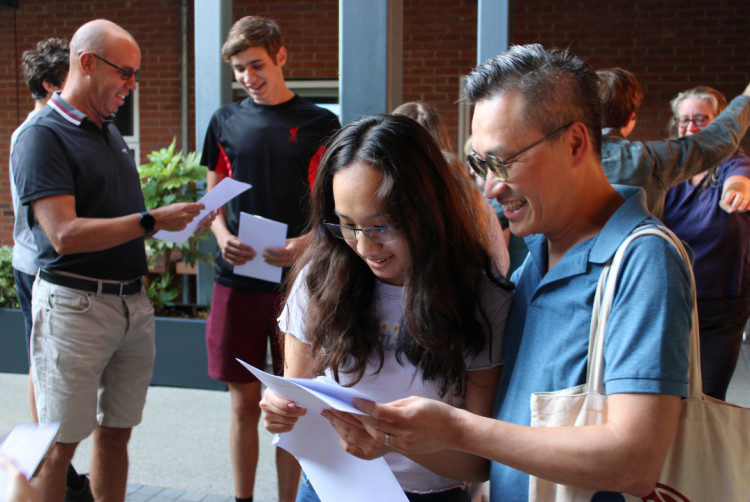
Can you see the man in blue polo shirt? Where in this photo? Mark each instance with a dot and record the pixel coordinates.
(92, 342)
(535, 136)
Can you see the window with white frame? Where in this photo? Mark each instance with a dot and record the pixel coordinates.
(127, 120)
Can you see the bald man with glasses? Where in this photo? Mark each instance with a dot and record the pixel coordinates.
(92, 342)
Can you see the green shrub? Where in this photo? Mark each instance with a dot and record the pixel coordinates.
(171, 177)
(8, 298)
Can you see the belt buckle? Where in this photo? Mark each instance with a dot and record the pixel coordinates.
(122, 286)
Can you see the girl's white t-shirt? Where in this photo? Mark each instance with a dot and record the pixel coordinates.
(398, 380)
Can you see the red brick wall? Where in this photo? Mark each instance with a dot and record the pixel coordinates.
(310, 33)
(156, 26)
(439, 46)
(670, 45)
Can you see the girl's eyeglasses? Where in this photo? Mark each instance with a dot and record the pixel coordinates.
(380, 234)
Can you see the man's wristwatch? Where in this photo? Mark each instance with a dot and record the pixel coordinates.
(147, 222)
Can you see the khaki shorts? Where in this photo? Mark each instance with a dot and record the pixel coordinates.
(92, 358)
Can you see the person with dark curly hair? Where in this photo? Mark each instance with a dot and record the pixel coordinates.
(45, 69)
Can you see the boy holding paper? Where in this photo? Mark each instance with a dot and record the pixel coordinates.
(273, 140)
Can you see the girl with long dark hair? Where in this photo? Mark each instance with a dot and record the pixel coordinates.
(397, 295)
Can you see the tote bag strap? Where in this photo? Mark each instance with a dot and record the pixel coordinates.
(603, 303)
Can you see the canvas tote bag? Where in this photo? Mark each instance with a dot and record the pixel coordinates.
(709, 458)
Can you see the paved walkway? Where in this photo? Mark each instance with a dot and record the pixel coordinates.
(181, 450)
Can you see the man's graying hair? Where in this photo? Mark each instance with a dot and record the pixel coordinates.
(558, 87)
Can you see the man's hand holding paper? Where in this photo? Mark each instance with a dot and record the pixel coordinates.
(256, 233)
(222, 193)
(286, 256)
(354, 438)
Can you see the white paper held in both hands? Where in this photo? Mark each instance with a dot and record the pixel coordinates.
(260, 233)
(335, 475)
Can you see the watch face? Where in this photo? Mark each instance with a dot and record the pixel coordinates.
(147, 222)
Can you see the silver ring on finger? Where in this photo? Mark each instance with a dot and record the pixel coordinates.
(387, 439)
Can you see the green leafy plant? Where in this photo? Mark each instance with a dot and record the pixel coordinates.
(161, 292)
(171, 177)
(8, 298)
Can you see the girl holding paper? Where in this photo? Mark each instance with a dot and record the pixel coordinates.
(397, 295)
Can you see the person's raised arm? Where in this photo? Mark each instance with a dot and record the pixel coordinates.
(680, 159)
(68, 233)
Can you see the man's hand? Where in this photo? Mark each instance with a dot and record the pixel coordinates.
(735, 196)
(354, 437)
(413, 424)
(286, 256)
(175, 217)
(233, 251)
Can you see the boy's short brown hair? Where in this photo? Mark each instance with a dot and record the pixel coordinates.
(253, 31)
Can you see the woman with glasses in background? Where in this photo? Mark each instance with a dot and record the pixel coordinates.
(396, 296)
(709, 212)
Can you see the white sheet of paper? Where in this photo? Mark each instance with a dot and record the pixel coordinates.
(335, 475)
(27, 445)
(260, 233)
(224, 191)
(318, 394)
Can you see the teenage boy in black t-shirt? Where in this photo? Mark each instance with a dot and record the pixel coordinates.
(273, 140)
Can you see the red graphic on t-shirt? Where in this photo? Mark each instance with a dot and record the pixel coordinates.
(664, 493)
(293, 134)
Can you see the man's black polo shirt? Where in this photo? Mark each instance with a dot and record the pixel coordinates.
(63, 153)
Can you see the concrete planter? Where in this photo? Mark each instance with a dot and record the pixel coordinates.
(180, 351)
(13, 357)
(181, 354)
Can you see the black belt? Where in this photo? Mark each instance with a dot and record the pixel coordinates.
(110, 288)
(458, 494)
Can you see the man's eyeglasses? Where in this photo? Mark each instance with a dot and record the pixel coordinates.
(381, 235)
(125, 73)
(499, 167)
(698, 120)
